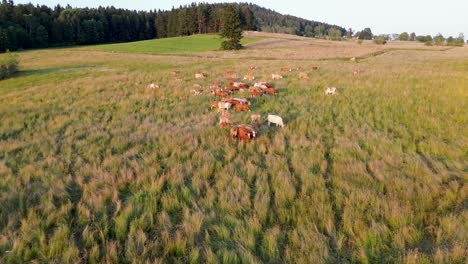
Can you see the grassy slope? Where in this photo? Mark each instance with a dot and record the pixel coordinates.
(91, 169)
(194, 43)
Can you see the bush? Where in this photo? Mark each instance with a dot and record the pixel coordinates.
(380, 40)
(8, 65)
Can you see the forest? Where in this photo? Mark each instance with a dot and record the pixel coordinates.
(25, 26)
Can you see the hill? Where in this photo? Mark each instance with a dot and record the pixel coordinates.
(25, 26)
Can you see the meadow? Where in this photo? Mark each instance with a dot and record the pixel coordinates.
(93, 171)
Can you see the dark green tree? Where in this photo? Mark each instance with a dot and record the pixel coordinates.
(366, 34)
(404, 36)
(231, 29)
(42, 37)
(413, 36)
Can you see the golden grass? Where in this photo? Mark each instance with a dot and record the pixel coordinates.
(92, 171)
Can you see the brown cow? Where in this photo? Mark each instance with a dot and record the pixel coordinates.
(241, 107)
(220, 93)
(232, 88)
(214, 104)
(243, 132)
(314, 68)
(235, 101)
(286, 69)
(230, 74)
(270, 90)
(252, 68)
(253, 94)
(175, 73)
(240, 85)
(303, 75)
(197, 85)
(356, 72)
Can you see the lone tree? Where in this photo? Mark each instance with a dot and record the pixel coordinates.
(231, 30)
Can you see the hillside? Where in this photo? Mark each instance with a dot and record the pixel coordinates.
(25, 26)
(97, 168)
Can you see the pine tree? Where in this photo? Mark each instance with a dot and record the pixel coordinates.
(231, 30)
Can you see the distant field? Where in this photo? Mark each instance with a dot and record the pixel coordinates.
(94, 169)
(194, 43)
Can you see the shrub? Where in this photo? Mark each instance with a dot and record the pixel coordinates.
(8, 65)
(380, 40)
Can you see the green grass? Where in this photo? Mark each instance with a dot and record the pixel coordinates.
(194, 43)
(95, 168)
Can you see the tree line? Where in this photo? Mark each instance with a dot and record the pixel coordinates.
(26, 26)
(439, 39)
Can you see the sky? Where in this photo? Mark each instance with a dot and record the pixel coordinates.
(424, 17)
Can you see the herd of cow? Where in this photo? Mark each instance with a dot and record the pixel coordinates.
(244, 132)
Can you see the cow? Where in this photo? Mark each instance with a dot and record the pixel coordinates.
(195, 92)
(197, 85)
(263, 85)
(232, 88)
(249, 77)
(213, 104)
(214, 86)
(220, 93)
(314, 68)
(252, 68)
(230, 74)
(243, 132)
(230, 80)
(241, 101)
(152, 86)
(240, 85)
(275, 120)
(303, 75)
(256, 118)
(235, 101)
(286, 69)
(242, 107)
(224, 122)
(270, 90)
(253, 94)
(200, 75)
(175, 73)
(356, 72)
(224, 106)
(276, 76)
(331, 91)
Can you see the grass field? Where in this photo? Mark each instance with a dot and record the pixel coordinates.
(195, 43)
(93, 171)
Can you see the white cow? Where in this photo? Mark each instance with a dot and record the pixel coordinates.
(275, 120)
(331, 91)
(153, 86)
(262, 85)
(276, 76)
(224, 105)
(200, 75)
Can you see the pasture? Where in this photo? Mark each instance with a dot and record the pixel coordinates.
(92, 170)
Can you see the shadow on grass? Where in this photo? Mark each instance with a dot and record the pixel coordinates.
(27, 73)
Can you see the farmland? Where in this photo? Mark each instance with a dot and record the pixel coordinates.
(91, 170)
